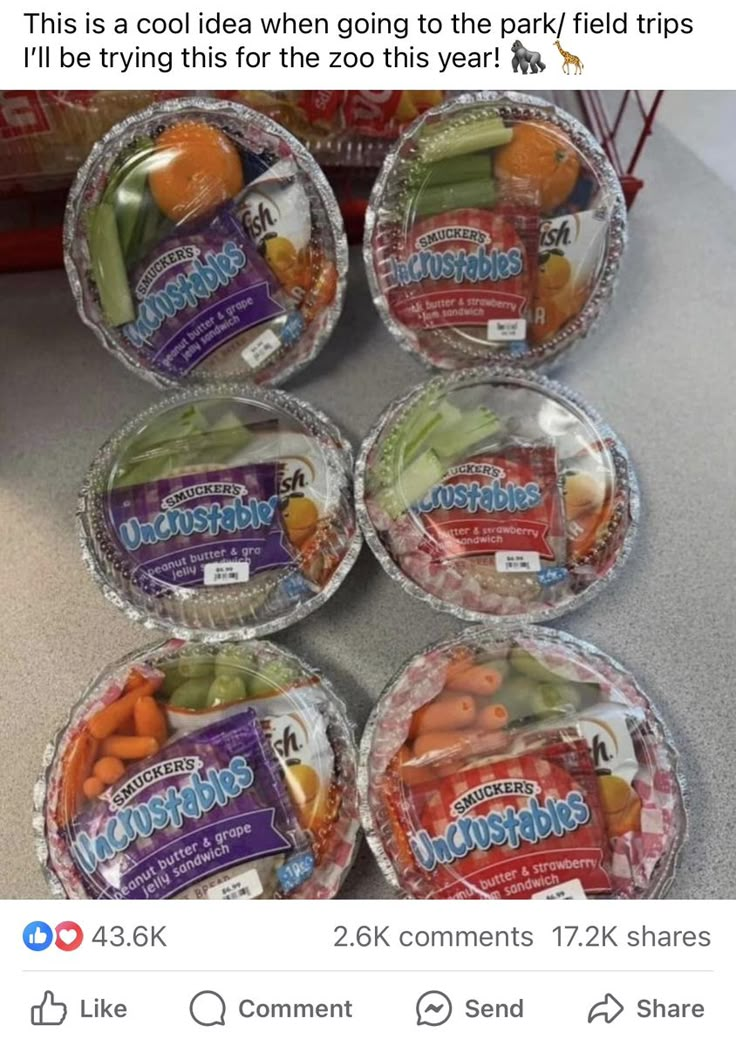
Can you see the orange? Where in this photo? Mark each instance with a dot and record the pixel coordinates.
(542, 157)
(198, 169)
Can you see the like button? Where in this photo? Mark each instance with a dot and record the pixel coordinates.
(49, 1011)
(38, 936)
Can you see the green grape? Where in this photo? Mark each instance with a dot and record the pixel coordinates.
(225, 690)
(274, 675)
(196, 667)
(191, 694)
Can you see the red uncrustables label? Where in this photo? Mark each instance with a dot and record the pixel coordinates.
(513, 827)
(462, 268)
(508, 501)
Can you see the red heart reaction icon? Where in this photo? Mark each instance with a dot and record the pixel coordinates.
(68, 936)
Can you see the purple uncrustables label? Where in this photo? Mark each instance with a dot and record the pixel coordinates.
(198, 289)
(207, 802)
(177, 531)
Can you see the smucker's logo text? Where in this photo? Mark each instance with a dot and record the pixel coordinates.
(161, 265)
(168, 768)
(492, 790)
(204, 490)
(452, 233)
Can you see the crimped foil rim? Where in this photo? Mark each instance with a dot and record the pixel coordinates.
(40, 789)
(514, 105)
(270, 397)
(489, 373)
(235, 111)
(670, 862)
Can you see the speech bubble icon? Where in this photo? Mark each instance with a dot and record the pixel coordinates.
(434, 1009)
(207, 1008)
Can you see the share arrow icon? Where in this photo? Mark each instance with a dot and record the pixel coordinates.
(609, 1009)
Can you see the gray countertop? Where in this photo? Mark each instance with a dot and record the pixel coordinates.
(661, 369)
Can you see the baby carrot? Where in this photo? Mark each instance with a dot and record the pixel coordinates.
(93, 787)
(450, 695)
(108, 720)
(109, 769)
(493, 717)
(129, 747)
(456, 667)
(440, 741)
(412, 775)
(480, 680)
(449, 714)
(150, 721)
(134, 680)
(77, 767)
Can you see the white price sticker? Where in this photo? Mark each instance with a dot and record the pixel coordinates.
(240, 888)
(517, 562)
(506, 330)
(570, 891)
(226, 573)
(261, 349)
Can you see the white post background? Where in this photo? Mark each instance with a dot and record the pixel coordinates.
(700, 59)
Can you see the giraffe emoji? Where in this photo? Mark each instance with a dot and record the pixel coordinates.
(570, 59)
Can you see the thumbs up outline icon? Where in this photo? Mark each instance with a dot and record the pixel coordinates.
(48, 1011)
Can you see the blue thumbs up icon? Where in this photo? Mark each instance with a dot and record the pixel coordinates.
(38, 936)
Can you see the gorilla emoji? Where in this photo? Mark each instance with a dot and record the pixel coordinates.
(525, 59)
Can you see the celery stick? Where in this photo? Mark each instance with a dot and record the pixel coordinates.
(477, 425)
(420, 428)
(129, 208)
(146, 230)
(415, 480)
(108, 265)
(411, 435)
(126, 190)
(174, 425)
(146, 470)
(440, 198)
(463, 118)
(470, 138)
(473, 167)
